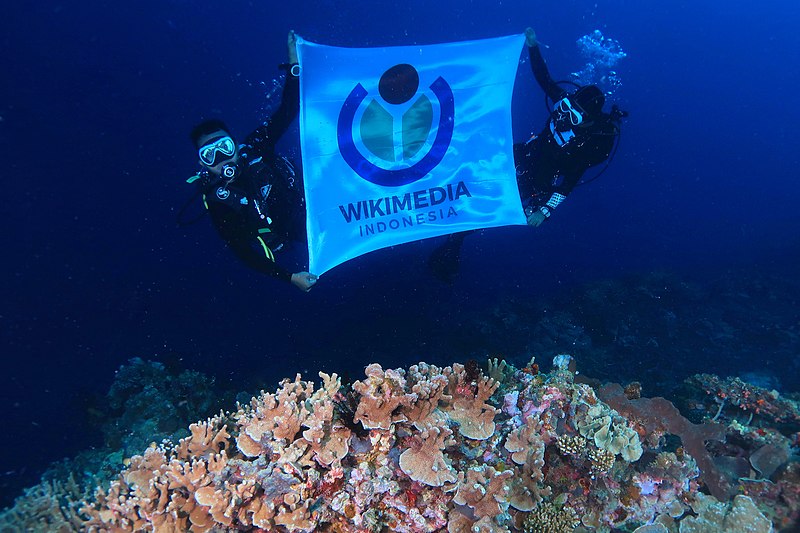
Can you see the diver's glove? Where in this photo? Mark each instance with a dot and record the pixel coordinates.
(292, 67)
(291, 44)
(530, 37)
(303, 280)
(537, 215)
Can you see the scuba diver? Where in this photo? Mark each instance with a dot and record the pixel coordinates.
(253, 195)
(577, 136)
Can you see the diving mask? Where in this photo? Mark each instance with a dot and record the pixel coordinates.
(209, 152)
(565, 108)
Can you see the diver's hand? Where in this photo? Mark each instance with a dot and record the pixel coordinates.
(530, 37)
(303, 280)
(291, 43)
(535, 218)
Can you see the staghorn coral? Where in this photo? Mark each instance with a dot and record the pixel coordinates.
(205, 440)
(425, 412)
(501, 371)
(526, 442)
(571, 444)
(602, 461)
(272, 417)
(48, 507)
(328, 441)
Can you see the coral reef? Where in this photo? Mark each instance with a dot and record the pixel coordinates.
(656, 417)
(738, 397)
(656, 328)
(761, 442)
(49, 507)
(740, 515)
(426, 449)
(147, 401)
(151, 401)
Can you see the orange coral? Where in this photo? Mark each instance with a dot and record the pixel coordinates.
(526, 488)
(485, 491)
(381, 394)
(298, 519)
(276, 464)
(424, 412)
(469, 408)
(526, 441)
(207, 439)
(273, 416)
(425, 462)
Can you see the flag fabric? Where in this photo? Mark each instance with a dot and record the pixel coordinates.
(405, 143)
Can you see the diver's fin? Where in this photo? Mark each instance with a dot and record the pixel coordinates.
(443, 262)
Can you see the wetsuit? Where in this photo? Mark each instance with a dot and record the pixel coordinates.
(260, 211)
(548, 170)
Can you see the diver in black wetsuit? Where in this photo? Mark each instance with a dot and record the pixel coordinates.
(577, 136)
(252, 194)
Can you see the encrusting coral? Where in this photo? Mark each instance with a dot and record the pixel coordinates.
(423, 450)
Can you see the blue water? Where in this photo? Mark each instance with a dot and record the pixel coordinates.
(96, 101)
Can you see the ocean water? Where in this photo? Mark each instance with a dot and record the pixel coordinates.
(682, 258)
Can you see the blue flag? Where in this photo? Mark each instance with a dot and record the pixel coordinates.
(405, 143)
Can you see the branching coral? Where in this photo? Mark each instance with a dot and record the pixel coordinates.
(48, 507)
(273, 417)
(425, 412)
(551, 518)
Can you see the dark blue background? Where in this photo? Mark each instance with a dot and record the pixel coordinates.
(97, 98)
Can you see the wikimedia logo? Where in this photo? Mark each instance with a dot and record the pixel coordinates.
(385, 138)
